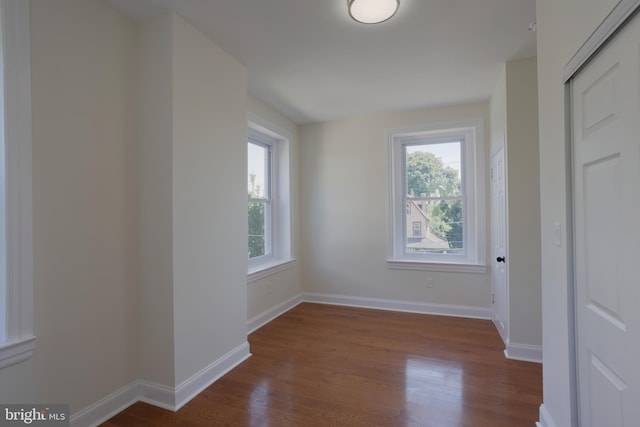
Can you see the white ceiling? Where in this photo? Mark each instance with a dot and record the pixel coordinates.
(310, 61)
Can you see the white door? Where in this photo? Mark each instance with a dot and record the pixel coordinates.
(500, 296)
(606, 155)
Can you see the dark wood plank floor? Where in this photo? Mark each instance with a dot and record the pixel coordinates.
(322, 365)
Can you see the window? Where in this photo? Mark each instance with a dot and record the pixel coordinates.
(16, 255)
(417, 229)
(437, 198)
(269, 206)
(260, 180)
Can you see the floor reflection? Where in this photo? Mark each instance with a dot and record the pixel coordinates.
(259, 405)
(434, 390)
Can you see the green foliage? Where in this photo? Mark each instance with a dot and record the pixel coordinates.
(256, 229)
(256, 222)
(451, 211)
(427, 176)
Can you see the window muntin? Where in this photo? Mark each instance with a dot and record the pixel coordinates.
(259, 161)
(437, 178)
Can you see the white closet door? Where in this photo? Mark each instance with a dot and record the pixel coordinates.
(606, 155)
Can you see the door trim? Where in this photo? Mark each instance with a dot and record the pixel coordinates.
(620, 14)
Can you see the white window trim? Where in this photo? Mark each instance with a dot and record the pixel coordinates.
(281, 257)
(475, 234)
(19, 340)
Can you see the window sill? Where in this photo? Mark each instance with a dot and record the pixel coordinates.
(262, 270)
(17, 351)
(397, 264)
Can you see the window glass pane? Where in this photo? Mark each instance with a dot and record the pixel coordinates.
(434, 170)
(258, 171)
(434, 227)
(434, 214)
(257, 229)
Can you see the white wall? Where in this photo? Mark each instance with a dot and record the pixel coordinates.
(209, 200)
(514, 119)
(155, 231)
(344, 176)
(554, 37)
(193, 229)
(525, 304)
(265, 294)
(84, 206)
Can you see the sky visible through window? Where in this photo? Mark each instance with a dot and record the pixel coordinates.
(449, 152)
(257, 166)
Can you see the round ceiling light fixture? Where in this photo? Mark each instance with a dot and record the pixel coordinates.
(372, 11)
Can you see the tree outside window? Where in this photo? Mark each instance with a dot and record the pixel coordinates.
(434, 182)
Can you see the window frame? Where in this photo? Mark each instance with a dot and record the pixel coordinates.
(471, 133)
(18, 342)
(281, 255)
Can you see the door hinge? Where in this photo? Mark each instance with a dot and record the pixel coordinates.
(493, 298)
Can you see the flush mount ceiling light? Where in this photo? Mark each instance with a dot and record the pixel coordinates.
(372, 11)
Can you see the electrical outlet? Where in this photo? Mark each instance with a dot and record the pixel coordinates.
(429, 282)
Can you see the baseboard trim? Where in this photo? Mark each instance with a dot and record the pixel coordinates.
(160, 395)
(500, 328)
(545, 418)
(267, 316)
(107, 407)
(157, 395)
(399, 305)
(524, 352)
(207, 376)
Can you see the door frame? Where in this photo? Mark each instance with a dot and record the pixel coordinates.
(612, 24)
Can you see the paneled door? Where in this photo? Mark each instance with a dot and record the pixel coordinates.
(606, 156)
(499, 288)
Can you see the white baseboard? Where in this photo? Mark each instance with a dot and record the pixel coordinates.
(500, 328)
(525, 352)
(267, 316)
(190, 388)
(545, 418)
(157, 395)
(160, 395)
(399, 305)
(106, 407)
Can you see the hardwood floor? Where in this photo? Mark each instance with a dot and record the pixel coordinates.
(322, 365)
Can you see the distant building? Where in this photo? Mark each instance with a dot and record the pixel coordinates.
(419, 235)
